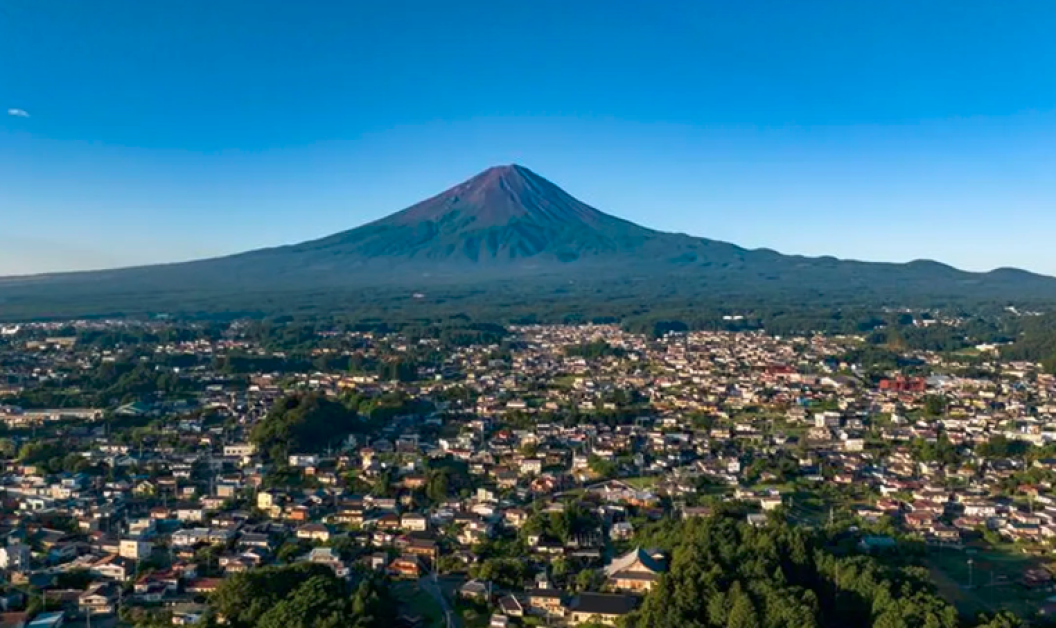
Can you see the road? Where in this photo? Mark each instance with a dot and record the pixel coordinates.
(431, 585)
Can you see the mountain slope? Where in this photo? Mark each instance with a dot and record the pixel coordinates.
(506, 214)
(506, 223)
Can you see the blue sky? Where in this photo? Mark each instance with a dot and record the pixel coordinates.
(163, 131)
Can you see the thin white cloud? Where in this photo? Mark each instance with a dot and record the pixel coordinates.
(18, 113)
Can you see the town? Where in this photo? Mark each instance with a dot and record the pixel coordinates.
(497, 477)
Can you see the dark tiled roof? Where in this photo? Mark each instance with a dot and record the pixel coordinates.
(603, 604)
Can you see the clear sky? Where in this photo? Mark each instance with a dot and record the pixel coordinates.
(139, 131)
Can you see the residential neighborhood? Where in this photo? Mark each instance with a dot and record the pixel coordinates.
(499, 483)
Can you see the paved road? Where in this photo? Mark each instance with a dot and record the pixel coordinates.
(430, 585)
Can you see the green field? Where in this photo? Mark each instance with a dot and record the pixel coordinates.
(995, 576)
(416, 602)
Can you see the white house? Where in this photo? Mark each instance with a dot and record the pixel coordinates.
(135, 549)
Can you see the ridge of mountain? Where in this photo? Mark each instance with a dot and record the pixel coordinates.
(506, 214)
(509, 223)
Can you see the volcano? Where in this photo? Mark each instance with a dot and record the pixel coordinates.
(507, 223)
(504, 215)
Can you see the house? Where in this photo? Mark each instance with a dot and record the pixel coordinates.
(188, 614)
(134, 549)
(546, 602)
(696, 511)
(414, 522)
(413, 482)
(255, 539)
(203, 585)
(326, 556)
(622, 530)
(600, 608)
(635, 571)
(531, 466)
(190, 515)
(406, 566)
(194, 536)
(98, 599)
(113, 567)
(15, 557)
(510, 606)
(266, 500)
(377, 561)
(235, 564)
(313, 532)
(158, 583)
(303, 460)
(516, 517)
(388, 521)
(352, 516)
(426, 548)
(475, 590)
(240, 450)
(756, 519)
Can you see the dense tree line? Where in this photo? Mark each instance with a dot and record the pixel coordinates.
(594, 350)
(725, 573)
(111, 382)
(1035, 342)
(562, 526)
(303, 595)
(303, 423)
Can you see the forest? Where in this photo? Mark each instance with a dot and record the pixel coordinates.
(725, 573)
(302, 595)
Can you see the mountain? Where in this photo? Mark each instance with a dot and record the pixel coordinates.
(504, 217)
(505, 224)
(504, 214)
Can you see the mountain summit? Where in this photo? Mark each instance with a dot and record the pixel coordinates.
(504, 214)
(498, 196)
(504, 224)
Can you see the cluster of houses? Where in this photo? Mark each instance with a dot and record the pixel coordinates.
(631, 432)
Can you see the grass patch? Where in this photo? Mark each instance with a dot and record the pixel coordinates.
(415, 602)
(995, 576)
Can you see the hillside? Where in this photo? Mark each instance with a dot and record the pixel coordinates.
(505, 223)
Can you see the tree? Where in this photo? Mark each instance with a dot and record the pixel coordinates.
(725, 573)
(588, 580)
(742, 611)
(1003, 619)
(999, 446)
(446, 478)
(291, 550)
(601, 467)
(74, 579)
(382, 486)
(438, 486)
(300, 423)
(934, 405)
(300, 596)
(318, 602)
(506, 572)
